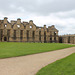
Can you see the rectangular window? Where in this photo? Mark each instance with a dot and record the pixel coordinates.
(1, 34)
(27, 35)
(55, 39)
(33, 35)
(45, 36)
(14, 34)
(21, 34)
(8, 33)
(40, 36)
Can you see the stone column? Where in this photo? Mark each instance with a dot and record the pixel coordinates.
(74, 39)
(18, 35)
(47, 37)
(37, 36)
(57, 39)
(25, 35)
(52, 38)
(42, 35)
(30, 36)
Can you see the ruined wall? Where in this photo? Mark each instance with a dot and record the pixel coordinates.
(67, 39)
(17, 31)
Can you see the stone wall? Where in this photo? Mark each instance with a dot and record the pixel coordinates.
(17, 31)
(67, 38)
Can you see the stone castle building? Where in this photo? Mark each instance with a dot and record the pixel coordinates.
(69, 38)
(17, 31)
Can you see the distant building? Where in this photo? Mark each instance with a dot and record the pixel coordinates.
(17, 31)
(69, 38)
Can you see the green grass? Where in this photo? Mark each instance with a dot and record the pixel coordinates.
(12, 49)
(65, 66)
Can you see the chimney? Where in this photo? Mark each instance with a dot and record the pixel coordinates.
(18, 21)
(53, 26)
(31, 22)
(44, 26)
(5, 20)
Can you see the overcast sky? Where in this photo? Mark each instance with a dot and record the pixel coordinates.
(60, 13)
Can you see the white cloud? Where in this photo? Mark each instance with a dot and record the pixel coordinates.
(60, 13)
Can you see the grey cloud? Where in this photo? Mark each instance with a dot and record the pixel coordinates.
(66, 14)
(43, 7)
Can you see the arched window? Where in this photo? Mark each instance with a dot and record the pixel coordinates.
(54, 33)
(5, 25)
(30, 26)
(18, 26)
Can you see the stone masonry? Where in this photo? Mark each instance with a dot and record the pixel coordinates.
(69, 38)
(17, 31)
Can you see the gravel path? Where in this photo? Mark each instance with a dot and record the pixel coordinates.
(30, 64)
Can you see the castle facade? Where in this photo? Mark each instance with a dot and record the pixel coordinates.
(69, 38)
(17, 31)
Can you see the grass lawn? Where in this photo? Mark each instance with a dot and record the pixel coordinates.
(12, 49)
(65, 66)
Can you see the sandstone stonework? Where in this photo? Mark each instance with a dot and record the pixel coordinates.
(17, 31)
(69, 38)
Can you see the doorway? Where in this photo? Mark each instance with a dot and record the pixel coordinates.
(5, 38)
